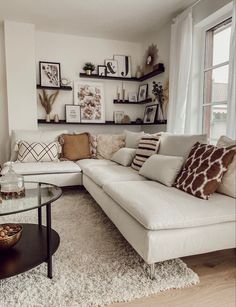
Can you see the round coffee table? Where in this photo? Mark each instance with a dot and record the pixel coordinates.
(38, 242)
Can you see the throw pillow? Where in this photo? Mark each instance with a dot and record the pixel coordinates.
(204, 169)
(148, 146)
(228, 183)
(132, 138)
(179, 144)
(108, 144)
(38, 152)
(93, 145)
(124, 156)
(161, 168)
(75, 146)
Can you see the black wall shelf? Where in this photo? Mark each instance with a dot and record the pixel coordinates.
(130, 102)
(61, 88)
(150, 75)
(63, 122)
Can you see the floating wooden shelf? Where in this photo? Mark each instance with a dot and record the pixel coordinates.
(150, 75)
(130, 102)
(61, 88)
(63, 122)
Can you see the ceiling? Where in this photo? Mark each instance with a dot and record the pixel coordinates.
(128, 20)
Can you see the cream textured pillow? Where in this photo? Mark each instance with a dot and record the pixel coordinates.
(228, 183)
(38, 152)
(132, 138)
(108, 144)
(179, 144)
(161, 168)
(124, 156)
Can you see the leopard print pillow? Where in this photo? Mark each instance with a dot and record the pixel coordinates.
(204, 169)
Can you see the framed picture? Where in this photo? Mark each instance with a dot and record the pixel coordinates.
(102, 70)
(124, 65)
(133, 97)
(49, 74)
(72, 113)
(118, 116)
(143, 92)
(112, 68)
(90, 97)
(150, 114)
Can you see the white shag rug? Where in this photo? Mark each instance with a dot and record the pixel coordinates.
(94, 265)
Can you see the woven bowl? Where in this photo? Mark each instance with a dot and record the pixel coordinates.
(10, 240)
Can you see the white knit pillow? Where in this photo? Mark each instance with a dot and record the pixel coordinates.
(38, 152)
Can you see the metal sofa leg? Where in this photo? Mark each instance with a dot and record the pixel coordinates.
(152, 271)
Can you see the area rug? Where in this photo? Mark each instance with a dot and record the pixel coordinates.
(94, 265)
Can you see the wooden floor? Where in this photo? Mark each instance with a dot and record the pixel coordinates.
(217, 288)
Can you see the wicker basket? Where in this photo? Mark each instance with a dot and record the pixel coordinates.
(14, 236)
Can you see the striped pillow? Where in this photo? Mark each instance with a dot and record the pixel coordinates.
(148, 146)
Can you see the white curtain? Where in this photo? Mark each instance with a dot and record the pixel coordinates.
(180, 73)
(231, 113)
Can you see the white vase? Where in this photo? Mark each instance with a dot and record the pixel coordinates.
(48, 118)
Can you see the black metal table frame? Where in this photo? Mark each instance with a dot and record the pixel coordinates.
(48, 224)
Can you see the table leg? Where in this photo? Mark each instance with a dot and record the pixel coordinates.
(40, 216)
(49, 240)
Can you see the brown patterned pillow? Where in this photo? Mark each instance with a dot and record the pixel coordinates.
(204, 169)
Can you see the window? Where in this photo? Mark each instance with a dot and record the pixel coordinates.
(216, 68)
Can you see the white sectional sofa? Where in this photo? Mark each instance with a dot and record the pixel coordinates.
(159, 222)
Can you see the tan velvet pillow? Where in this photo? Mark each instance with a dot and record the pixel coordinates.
(75, 146)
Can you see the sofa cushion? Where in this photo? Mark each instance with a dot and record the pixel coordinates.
(108, 144)
(124, 156)
(94, 162)
(75, 146)
(132, 138)
(179, 144)
(44, 168)
(38, 152)
(33, 136)
(148, 146)
(157, 206)
(204, 169)
(161, 168)
(111, 173)
(228, 183)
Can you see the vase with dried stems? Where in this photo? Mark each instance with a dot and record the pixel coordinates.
(47, 102)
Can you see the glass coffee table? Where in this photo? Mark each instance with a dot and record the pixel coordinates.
(38, 242)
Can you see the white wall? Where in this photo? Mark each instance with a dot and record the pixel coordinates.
(72, 52)
(20, 75)
(3, 101)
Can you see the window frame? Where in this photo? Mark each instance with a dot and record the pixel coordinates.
(202, 39)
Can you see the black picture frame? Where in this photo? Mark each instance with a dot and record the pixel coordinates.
(145, 95)
(42, 79)
(105, 70)
(70, 120)
(150, 119)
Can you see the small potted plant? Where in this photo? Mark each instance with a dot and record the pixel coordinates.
(89, 68)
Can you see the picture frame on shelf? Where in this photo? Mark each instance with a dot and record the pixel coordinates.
(50, 74)
(142, 92)
(124, 65)
(133, 97)
(73, 113)
(111, 68)
(90, 97)
(102, 70)
(118, 116)
(150, 114)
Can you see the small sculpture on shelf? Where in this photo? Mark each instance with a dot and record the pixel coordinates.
(47, 102)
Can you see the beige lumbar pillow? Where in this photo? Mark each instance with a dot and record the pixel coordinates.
(228, 183)
(161, 168)
(124, 156)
